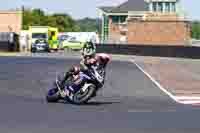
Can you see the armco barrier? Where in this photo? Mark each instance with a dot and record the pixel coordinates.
(9, 41)
(4, 46)
(151, 50)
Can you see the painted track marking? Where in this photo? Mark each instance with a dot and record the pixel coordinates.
(178, 99)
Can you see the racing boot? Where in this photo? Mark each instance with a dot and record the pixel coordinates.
(66, 92)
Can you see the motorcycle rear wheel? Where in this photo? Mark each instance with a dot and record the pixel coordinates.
(84, 97)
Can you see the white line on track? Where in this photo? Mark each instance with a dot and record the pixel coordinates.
(155, 82)
(178, 99)
(189, 102)
(187, 98)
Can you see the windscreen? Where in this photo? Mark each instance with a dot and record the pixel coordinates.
(39, 35)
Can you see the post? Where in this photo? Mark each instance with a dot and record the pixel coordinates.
(151, 7)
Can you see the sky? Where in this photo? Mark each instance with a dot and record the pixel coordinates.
(86, 8)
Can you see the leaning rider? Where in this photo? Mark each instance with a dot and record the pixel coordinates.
(88, 54)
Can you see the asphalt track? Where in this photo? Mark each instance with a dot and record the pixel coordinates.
(129, 102)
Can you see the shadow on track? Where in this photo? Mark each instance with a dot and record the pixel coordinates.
(92, 103)
(96, 103)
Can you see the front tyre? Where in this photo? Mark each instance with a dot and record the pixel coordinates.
(52, 96)
(83, 97)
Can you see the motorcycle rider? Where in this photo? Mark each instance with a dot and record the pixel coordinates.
(88, 55)
(88, 59)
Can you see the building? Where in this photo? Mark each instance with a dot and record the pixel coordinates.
(10, 27)
(11, 21)
(145, 22)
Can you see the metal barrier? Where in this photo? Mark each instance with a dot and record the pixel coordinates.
(9, 41)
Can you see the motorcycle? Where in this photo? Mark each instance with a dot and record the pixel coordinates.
(94, 81)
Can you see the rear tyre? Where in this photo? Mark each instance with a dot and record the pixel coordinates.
(84, 97)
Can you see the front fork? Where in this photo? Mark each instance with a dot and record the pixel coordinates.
(63, 94)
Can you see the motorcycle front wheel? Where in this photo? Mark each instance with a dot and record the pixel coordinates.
(52, 96)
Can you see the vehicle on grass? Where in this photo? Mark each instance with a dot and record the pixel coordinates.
(72, 43)
(40, 45)
(62, 38)
(76, 40)
(49, 34)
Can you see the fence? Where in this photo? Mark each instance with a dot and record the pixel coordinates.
(9, 41)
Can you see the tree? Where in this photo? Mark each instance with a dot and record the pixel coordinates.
(27, 19)
(63, 22)
(196, 30)
(66, 23)
(88, 24)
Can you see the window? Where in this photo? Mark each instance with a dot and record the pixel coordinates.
(53, 33)
(73, 40)
(119, 19)
(160, 6)
(39, 35)
(150, 7)
(115, 19)
(167, 7)
(63, 37)
(123, 19)
(173, 7)
(154, 6)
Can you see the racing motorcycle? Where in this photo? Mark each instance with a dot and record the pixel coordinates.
(94, 81)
